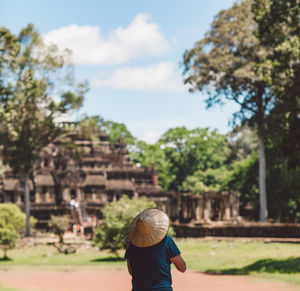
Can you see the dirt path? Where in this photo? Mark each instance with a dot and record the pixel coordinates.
(119, 280)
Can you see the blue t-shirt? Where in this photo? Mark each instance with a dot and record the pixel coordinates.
(151, 266)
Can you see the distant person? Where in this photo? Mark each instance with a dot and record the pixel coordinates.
(150, 252)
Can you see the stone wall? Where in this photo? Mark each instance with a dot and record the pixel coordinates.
(245, 229)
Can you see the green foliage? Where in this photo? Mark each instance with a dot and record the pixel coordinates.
(208, 180)
(59, 225)
(117, 219)
(89, 127)
(224, 65)
(149, 155)
(243, 179)
(117, 131)
(12, 222)
(12, 214)
(8, 237)
(279, 32)
(242, 143)
(187, 160)
(190, 152)
(224, 62)
(278, 27)
(31, 75)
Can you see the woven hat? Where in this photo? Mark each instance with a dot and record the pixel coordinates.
(148, 228)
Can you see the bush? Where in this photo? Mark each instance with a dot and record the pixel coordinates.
(59, 225)
(117, 219)
(8, 238)
(12, 222)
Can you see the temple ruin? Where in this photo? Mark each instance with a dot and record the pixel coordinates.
(80, 184)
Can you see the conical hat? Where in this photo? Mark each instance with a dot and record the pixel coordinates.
(148, 228)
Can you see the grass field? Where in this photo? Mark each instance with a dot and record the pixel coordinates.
(272, 261)
(8, 289)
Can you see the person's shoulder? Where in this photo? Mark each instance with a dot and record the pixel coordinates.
(169, 239)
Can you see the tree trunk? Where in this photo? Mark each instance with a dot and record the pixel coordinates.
(5, 254)
(263, 213)
(61, 238)
(27, 204)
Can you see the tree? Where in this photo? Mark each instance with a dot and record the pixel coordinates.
(279, 32)
(116, 131)
(188, 151)
(8, 238)
(12, 222)
(91, 125)
(242, 143)
(12, 214)
(36, 86)
(149, 155)
(224, 65)
(117, 219)
(59, 225)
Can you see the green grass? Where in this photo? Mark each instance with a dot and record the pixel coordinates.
(2, 288)
(48, 256)
(271, 261)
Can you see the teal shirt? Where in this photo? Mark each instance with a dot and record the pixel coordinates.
(151, 266)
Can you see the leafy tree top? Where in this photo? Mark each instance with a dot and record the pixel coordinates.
(36, 86)
(224, 62)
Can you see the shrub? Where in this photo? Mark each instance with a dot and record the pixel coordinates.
(59, 225)
(12, 222)
(117, 219)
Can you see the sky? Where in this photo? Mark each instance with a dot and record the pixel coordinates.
(130, 52)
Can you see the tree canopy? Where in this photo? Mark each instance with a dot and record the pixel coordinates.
(224, 65)
(36, 87)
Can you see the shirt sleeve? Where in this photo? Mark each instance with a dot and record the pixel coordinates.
(172, 249)
(127, 253)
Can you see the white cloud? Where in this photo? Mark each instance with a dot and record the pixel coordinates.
(139, 39)
(159, 77)
(151, 137)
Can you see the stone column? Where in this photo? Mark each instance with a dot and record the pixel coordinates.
(199, 208)
(234, 205)
(38, 195)
(66, 195)
(207, 207)
(183, 208)
(17, 197)
(225, 206)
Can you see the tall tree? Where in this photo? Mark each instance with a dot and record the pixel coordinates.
(279, 32)
(36, 86)
(149, 155)
(224, 64)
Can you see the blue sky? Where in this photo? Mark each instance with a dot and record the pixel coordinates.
(130, 52)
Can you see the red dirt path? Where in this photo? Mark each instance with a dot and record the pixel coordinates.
(119, 280)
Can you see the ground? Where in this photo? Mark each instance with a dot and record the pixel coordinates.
(119, 280)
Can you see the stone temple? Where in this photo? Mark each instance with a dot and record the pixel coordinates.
(78, 180)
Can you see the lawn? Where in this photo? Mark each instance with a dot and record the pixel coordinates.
(2, 288)
(272, 261)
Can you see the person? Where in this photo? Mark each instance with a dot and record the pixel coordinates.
(150, 252)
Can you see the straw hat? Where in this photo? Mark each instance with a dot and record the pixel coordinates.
(148, 228)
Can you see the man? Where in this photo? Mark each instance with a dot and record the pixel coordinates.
(151, 252)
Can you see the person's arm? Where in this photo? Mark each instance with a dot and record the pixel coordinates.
(179, 263)
(129, 268)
